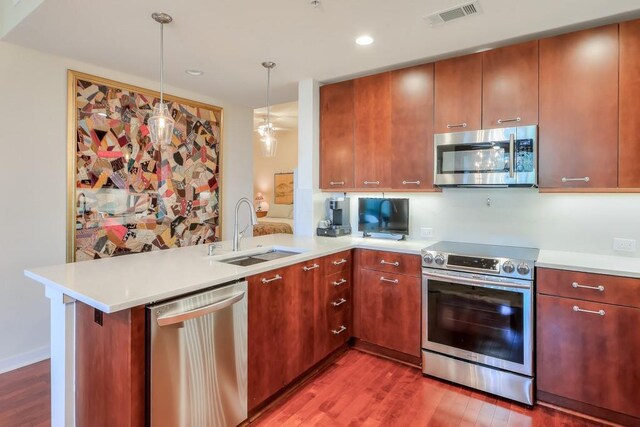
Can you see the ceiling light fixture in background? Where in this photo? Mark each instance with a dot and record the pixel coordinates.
(268, 140)
(364, 40)
(161, 123)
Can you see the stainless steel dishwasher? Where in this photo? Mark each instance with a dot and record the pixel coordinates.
(197, 355)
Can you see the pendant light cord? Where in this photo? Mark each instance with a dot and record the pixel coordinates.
(268, 105)
(161, 61)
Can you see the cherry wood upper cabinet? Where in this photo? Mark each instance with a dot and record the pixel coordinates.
(510, 86)
(629, 172)
(458, 94)
(372, 147)
(579, 109)
(412, 128)
(336, 135)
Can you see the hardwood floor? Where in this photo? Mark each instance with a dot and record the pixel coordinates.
(25, 396)
(359, 389)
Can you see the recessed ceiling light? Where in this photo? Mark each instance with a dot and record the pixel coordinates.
(194, 72)
(364, 40)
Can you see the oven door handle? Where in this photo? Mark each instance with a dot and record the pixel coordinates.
(474, 282)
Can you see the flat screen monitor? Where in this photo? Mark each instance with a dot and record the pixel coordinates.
(378, 215)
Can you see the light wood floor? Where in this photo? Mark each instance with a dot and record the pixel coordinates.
(364, 390)
(25, 396)
(356, 390)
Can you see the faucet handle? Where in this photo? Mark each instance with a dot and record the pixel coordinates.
(212, 248)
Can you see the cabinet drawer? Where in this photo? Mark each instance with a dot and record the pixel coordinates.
(338, 328)
(340, 262)
(590, 287)
(336, 283)
(589, 355)
(391, 262)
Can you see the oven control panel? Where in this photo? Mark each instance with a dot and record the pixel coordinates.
(499, 266)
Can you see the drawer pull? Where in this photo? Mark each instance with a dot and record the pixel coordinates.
(585, 179)
(515, 119)
(340, 330)
(336, 183)
(578, 309)
(313, 267)
(384, 279)
(339, 302)
(395, 263)
(410, 182)
(457, 125)
(340, 262)
(273, 279)
(595, 288)
(371, 182)
(339, 282)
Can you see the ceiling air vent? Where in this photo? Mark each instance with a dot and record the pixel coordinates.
(454, 13)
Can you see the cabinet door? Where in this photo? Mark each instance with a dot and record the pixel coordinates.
(390, 310)
(336, 136)
(629, 164)
(579, 109)
(588, 357)
(302, 319)
(510, 86)
(372, 148)
(268, 315)
(458, 94)
(412, 128)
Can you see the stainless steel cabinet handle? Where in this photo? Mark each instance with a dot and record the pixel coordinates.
(341, 261)
(515, 119)
(340, 330)
(313, 267)
(273, 279)
(395, 263)
(585, 179)
(578, 309)
(410, 182)
(457, 125)
(336, 183)
(199, 312)
(371, 182)
(339, 282)
(339, 302)
(384, 279)
(512, 155)
(595, 288)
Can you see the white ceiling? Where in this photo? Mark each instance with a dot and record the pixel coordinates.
(284, 117)
(228, 39)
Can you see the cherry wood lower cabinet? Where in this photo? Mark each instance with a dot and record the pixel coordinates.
(110, 367)
(587, 355)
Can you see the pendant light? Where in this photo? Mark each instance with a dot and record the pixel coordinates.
(161, 123)
(268, 140)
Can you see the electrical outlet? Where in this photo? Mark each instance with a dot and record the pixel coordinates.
(624, 245)
(426, 232)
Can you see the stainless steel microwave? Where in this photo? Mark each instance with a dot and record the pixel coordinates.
(487, 158)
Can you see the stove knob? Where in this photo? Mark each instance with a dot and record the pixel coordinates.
(439, 259)
(508, 267)
(523, 269)
(428, 258)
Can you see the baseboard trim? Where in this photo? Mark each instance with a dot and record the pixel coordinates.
(397, 356)
(585, 410)
(24, 359)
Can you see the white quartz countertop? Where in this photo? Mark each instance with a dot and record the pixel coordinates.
(590, 263)
(114, 284)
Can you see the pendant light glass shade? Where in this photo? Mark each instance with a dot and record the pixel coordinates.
(161, 123)
(268, 142)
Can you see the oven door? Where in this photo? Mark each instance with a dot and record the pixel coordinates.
(479, 318)
(492, 157)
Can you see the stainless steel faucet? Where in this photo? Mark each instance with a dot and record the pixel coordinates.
(254, 221)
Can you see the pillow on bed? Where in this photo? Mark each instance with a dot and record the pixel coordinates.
(280, 211)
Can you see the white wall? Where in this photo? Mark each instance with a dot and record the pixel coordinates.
(525, 217)
(33, 143)
(264, 168)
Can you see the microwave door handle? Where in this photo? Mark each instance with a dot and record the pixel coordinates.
(512, 155)
(474, 282)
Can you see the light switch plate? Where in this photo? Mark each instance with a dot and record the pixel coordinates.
(426, 232)
(624, 245)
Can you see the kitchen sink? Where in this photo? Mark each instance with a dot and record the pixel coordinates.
(259, 258)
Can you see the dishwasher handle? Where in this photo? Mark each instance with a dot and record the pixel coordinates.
(199, 312)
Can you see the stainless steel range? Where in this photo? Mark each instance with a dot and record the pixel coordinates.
(477, 317)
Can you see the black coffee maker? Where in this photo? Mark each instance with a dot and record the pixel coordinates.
(338, 221)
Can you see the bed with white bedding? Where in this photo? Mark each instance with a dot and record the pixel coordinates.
(279, 219)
